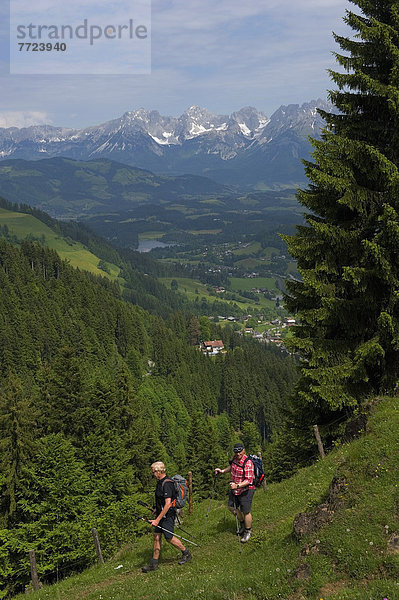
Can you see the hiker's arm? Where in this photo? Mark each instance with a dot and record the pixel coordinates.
(242, 484)
(226, 470)
(155, 522)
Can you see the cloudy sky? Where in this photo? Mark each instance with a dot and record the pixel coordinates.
(219, 54)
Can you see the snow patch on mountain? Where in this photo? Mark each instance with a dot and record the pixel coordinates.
(243, 143)
(158, 140)
(246, 130)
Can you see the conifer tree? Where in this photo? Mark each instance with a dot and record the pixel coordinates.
(250, 437)
(18, 429)
(63, 393)
(348, 300)
(224, 432)
(59, 507)
(202, 453)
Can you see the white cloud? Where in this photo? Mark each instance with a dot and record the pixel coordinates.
(22, 118)
(208, 15)
(202, 32)
(221, 55)
(74, 11)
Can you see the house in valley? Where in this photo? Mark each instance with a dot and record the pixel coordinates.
(212, 347)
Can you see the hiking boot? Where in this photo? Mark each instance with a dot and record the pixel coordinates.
(185, 558)
(246, 536)
(150, 567)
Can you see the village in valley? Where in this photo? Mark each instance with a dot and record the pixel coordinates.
(268, 332)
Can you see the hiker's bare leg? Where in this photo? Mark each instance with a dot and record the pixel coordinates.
(176, 543)
(157, 545)
(248, 520)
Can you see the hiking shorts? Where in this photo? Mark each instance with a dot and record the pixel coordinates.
(242, 501)
(167, 523)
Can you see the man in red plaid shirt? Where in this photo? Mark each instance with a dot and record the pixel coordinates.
(241, 470)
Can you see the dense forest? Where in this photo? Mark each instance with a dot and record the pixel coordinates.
(92, 390)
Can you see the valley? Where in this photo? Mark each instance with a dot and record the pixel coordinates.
(192, 227)
(246, 268)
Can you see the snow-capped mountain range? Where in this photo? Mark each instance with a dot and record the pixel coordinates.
(245, 148)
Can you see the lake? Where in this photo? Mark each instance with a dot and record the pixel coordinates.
(147, 245)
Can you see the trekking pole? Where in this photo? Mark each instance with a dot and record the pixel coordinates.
(237, 525)
(177, 517)
(144, 504)
(180, 527)
(140, 518)
(210, 500)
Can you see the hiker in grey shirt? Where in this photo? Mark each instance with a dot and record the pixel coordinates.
(165, 511)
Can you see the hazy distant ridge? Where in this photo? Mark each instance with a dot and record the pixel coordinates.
(245, 148)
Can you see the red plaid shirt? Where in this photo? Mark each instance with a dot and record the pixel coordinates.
(238, 474)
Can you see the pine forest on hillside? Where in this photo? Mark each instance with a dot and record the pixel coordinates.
(93, 390)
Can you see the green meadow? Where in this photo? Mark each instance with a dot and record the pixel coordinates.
(190, 287)
(22, 225)
(150, 235)
(251, 248)
(195, 289)
(247, 283)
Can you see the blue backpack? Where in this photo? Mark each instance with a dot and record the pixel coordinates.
(258, 469)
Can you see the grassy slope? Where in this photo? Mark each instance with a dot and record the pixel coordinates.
(190, 287)
(352, 562)
(239, 283)
(21, 225)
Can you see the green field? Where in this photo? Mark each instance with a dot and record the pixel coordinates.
(22, 225)
(150, 235)
(247, 283)
(190, 287)
(249, 263)
(252, 248)
(204, 231)
(194, 289)
(292, 268)
(270, 251)
(181, 208)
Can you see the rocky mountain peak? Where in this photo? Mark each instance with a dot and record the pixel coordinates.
(304, 119)
(240, 147)
(250, 120)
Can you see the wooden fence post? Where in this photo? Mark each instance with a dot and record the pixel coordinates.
(97, 546)
(33, 570)
(190, 492)
(319, 442)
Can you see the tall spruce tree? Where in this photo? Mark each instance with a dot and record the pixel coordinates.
(18, 433)
(348, 299)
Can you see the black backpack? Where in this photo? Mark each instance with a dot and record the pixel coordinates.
(258, 469)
